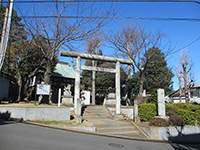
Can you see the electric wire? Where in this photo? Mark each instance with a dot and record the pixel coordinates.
(137, 18)
(185, 46)
(49, 1)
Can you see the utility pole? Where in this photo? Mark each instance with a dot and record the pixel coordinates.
(5, 31)
(0, 4)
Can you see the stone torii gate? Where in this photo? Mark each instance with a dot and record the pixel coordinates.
(80, 56)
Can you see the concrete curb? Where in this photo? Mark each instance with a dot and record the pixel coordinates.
(112, 136)
(95, 133)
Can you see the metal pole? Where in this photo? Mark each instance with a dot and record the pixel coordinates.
(93, 83)
(0, 4)
(5, 32)
(59, 96)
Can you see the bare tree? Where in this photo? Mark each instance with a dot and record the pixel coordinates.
(132, 41)
(93, 45)
(68, 24)
(179, 76)
(186, 73)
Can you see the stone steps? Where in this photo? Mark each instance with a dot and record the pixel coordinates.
(94, 117)
(116, 129)
(100, 117)
(125, 133)
(112, 125)
(95, 112)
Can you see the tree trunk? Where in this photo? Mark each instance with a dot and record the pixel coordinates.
(185, 83)
(142, 77)
(47, 74)
(19, 82)
(47, 78)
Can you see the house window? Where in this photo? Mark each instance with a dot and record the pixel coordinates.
(195, 94)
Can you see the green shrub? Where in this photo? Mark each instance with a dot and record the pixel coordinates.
(172, 111)
(168, 106)
(176, 121)
(153, 98)
(198, 117)
(159, 122)
(190, 113)
(183, 105)
(187, 106)
(188, 116)
(147, 111)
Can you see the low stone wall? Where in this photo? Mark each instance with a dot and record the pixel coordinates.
(182, 134)
(31, 113)
(126, 111)
(91, 129)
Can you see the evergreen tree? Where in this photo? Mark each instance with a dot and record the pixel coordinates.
(157, 74)
(16, 29)
(104, 80)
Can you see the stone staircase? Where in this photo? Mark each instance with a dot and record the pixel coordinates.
(100, 117)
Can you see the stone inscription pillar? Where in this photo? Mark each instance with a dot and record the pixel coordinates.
(77, 82)
(161, 102)
(118, 91)
(136, 111)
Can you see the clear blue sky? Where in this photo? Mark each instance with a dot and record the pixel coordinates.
(180, 33)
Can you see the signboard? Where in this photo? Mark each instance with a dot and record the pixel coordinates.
(43, 89)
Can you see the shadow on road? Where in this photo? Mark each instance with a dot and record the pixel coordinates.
(182, 146)
(5, 118)
(195, 138)
(5, 115)
(185, 142)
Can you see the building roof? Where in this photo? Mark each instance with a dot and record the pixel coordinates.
(193, 87)
(64, 70)
(197, 85)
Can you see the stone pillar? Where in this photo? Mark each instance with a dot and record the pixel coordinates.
(118, 90)
(78, 111)
(77, 82)
(161, 103)
(136, 110)
(93, 83)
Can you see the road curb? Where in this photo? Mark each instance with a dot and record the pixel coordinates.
(113, 136)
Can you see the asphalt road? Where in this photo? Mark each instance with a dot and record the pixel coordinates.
(20, 136)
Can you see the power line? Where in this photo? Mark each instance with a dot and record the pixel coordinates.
(185, 46)
(96, 17)
(43, 1)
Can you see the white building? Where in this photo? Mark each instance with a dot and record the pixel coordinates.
(194, 95)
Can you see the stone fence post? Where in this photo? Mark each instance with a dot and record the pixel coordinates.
(78, 111)
(136, 116)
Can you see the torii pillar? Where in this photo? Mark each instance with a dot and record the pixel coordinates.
(118, 90)
(77, 82)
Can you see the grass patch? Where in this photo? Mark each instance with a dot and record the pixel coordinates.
(66, 123)
(31, 104)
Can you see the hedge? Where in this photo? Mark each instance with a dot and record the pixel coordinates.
(147, 111)
(188, 116)
(190, 113)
